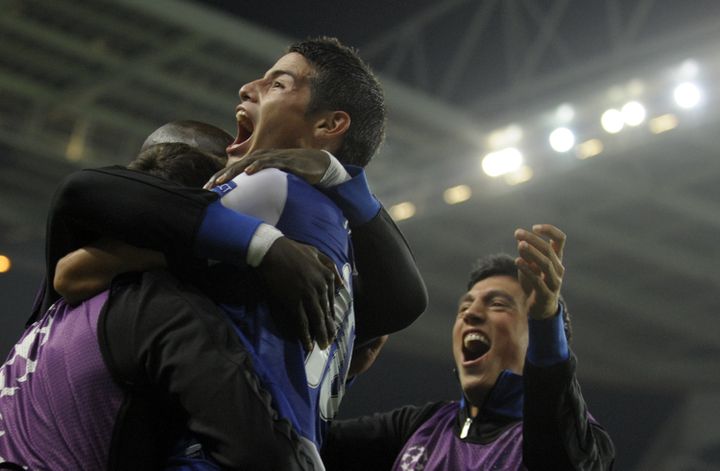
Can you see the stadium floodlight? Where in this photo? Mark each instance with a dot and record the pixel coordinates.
(633, 113)
(502, 161)
(562, 140)
(663, 123)
(612, 121)
(505, 137)
(589, 148)
(5, 263)
(564, 113)
(687, 95)
(457, 194)
(402, 211)
(521, 175)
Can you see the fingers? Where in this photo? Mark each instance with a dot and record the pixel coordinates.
(308, 164)
(532, 277)
(304, 329)
(213, 180)
(547, 249)
(540, 267)
(317, 316)
(556, 236)
(320, 301)
(332, 280)
(232, 171)
(545, 268)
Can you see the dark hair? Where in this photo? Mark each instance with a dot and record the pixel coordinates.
(343, 81)
(502, 264)
(178, 162)
(203, 136)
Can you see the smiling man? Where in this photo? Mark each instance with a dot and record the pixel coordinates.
(521, 406)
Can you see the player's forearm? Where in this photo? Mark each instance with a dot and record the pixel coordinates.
(89, 270)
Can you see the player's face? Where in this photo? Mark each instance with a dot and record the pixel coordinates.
(272, 109)
(490, 334)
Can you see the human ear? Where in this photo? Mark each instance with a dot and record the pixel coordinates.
(332, 125)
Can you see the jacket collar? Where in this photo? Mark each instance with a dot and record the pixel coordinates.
(505, 398)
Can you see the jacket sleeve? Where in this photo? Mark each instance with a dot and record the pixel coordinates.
(124, 204)
(389, 290)
(372, 442)
(164, 340)
(558, 432)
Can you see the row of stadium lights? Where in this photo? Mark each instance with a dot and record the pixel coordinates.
(509, 162)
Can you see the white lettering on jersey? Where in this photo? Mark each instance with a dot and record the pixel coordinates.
(23, 351)
(329, 371)
(414, 459)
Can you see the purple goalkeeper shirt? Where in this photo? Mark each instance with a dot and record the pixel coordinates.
(58, 402)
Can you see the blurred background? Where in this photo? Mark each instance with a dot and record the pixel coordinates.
(598, 117)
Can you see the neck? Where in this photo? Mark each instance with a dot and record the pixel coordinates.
(504, 398)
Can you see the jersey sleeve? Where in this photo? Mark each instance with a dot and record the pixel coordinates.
(373, 442)
(261, 195)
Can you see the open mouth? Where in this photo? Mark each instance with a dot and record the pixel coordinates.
(245, 128)
(475, 346)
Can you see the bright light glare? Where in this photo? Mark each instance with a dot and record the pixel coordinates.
(457, 194)
(5, 264)
(612, 121)
(687, 95)
(505, 137)
(520, 175)
(564, 113)
(589, 148)
(502, 161)
(689, 69)
(663, 123)
(633, 113)
(402, 211)
(562, 140)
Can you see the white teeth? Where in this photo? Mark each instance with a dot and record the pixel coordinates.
(471, 337)
(244, 120)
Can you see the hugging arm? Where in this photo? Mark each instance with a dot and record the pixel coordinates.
(184, 224)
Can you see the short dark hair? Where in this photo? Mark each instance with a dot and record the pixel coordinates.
(178, 162)
(204, 136)
(502, 264)
(343, 81)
